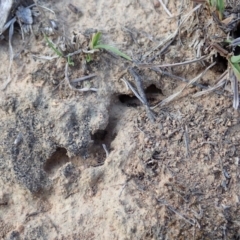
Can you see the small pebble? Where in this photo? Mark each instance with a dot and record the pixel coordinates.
(156, 3)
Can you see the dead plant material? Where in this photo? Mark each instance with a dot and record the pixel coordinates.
(5, 7)
(174, 34)
(234, 84)
(105, 149)
(68, 82)
(76, 80)
(165, 8)
(138, 83)
(190, 221)
(220, 50)
(186, 141)
(220, 83)
(173, 96)
(147, 65)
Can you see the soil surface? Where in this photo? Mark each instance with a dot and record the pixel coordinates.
(100, 164)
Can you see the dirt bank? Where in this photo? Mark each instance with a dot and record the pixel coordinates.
(92, 164)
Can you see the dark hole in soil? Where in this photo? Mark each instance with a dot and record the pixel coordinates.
(221, 63)
(97, 151)
(58, 159)
(130, 101)
(99, 136)
(236, 31)
(152, 89)
(236, 34)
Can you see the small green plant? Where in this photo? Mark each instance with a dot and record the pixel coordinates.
(234, 61)
(57, 51)
(95, 45)
(51, 45)
(220, 6)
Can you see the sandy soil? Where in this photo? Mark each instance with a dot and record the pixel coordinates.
(175, 178)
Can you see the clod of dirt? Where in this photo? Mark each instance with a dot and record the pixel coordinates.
(33, 138)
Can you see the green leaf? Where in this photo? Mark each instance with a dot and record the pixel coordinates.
(220, 8)
(88, 58)
(113, 50)
(70, 61)
(236, 69)
(220, 5)
(95, 40)
(212, 2)
(235, 59)
(51, 45)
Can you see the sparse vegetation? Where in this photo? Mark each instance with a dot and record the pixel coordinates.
(57, 51)
(95, 44)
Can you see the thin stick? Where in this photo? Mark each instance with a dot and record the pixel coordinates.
(165, 8)
(83, 78)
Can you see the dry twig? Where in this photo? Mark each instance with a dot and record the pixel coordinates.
(74, 88)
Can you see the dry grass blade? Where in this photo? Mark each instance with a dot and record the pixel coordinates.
(138, 83)
(105, 149)
(220, 83)
(165, 8)
(174, 34)
(5, 7)
(186, 140)
(148, 109)
(129, 86)
(11, 54)
(173, 96)
(181, 216)
(46, 8)
(147, 65)
(45, 57)
(74, 53)
(6, 26)
(83, 78)
(163, 202)
(234, 83)
(74, 88)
